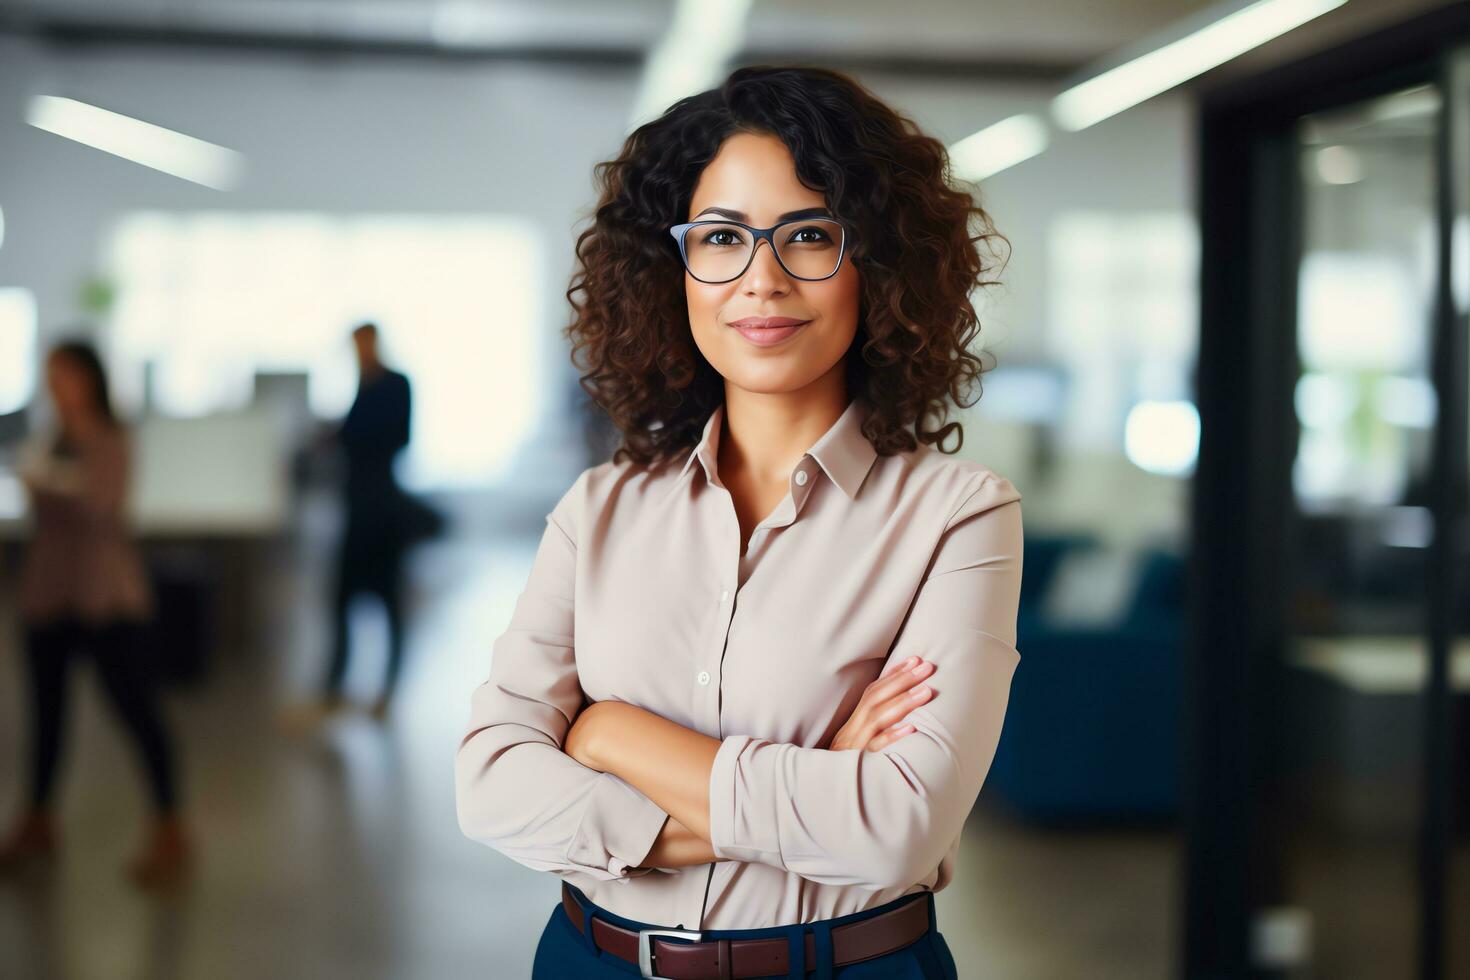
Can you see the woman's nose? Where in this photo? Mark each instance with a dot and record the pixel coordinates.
(765, 271)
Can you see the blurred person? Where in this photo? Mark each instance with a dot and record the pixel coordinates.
(85, 593)
(759, 668)
(378, 514)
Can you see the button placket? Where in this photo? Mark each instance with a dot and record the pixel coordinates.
(708, 680)
(705, 677)
(725, 603)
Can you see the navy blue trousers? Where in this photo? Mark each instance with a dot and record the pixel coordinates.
(565, 953)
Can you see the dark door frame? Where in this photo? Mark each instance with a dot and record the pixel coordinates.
(1249, 212)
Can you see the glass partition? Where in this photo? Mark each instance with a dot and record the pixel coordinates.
(1357, 584)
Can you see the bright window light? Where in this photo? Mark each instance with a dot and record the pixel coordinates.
(1339, 165)
(207, 299)
(141, 142)
(999, 146)
(1163, 437)
(17, 348)
(1407, 402)
(1135, 81)
(1326, 401)
(1123, 315)
(1358, 311)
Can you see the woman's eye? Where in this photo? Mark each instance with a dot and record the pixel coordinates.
(821, 235)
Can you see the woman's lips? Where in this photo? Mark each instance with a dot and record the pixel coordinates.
(767, 336)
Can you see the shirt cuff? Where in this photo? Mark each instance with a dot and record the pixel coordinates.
(733, 834)
(618, 828)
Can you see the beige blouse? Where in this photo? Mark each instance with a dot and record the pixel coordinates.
(81, 560)
(639, 593)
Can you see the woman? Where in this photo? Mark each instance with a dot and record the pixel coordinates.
(84, 591)
(758, 673)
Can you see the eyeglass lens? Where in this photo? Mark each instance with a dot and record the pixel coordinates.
(810, 249)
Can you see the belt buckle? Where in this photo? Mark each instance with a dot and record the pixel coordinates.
(645, 949)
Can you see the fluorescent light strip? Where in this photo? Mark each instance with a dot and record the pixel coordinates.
(999, 146)
(692, 56)
(132, 139)
(1158, 71)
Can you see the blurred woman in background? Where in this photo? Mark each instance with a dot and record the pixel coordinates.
(84, 592)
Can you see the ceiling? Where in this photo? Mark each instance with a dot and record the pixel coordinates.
(1049, 39)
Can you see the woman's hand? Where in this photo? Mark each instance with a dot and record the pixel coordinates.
(877, 721)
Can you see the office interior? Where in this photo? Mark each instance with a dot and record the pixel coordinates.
(1231, 349)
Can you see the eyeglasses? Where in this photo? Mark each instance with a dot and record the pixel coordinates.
(721, 251)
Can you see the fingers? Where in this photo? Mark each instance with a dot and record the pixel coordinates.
(888, 736)
(884, 704)
(907, 675)
(890, 699)
(897, 707)
(898, 687)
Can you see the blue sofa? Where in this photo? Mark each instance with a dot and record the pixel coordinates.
(1092, 730)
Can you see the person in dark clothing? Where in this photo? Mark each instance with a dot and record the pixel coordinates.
(374, 541)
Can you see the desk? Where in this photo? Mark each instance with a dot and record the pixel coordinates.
(208, 496)
(1384, 664)
(218, 476)
(1354, 728)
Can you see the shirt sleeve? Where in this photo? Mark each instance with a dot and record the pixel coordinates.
(515, 789)
(886, 819)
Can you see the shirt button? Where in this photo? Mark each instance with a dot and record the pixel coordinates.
(724, 595)
(703, 678)
(801, 478)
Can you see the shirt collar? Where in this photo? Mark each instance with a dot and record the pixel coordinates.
(843, 451)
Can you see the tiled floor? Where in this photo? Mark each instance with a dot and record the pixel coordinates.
(338, 856)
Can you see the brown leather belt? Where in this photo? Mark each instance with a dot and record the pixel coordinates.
(728, 959)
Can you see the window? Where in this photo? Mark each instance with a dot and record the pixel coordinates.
(17, 348)
(207, 299)
(1125, 322)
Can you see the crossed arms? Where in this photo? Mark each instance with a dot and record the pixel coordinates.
(613, 791)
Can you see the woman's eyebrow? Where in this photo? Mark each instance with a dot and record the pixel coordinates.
(741, 215)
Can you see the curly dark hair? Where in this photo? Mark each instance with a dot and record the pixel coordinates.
(912, 221)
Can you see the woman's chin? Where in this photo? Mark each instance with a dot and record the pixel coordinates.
(779, 380)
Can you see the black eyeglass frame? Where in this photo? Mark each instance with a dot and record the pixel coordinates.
(768, 234)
